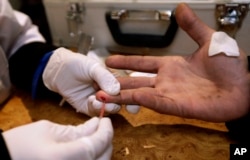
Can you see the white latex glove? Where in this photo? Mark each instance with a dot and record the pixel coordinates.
(72, 75)
(100, 55)
(44, 140)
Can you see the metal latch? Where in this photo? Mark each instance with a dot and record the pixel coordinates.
(75, 19)
(230, 17)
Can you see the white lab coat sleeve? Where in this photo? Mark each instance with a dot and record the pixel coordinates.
(30, 32)
(16, 30)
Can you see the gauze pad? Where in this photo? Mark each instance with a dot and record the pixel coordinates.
(222, 43)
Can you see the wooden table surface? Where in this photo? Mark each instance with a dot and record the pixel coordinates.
(144, 136)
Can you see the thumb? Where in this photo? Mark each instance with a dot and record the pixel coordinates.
(190, 23)
(87, 147)
(105, 80)
(65, 133)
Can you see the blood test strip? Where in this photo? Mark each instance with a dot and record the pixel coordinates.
(103, 108)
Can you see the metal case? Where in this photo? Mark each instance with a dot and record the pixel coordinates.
(141, 26)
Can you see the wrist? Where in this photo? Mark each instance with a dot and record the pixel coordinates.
(38, 73)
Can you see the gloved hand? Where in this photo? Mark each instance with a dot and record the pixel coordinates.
(45, 140)
(100, 55)
(73, 74)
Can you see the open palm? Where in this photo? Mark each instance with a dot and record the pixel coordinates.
(214, 88)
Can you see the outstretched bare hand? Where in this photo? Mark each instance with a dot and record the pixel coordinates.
(211, 88)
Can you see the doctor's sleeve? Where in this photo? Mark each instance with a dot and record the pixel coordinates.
(24, 63)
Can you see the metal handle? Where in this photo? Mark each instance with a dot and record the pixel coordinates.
(142, 40)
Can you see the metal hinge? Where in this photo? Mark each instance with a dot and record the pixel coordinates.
(75, 17)
(230, 16)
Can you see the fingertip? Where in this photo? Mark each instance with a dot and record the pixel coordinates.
(188, 20)
(106, 124)
(113, 88)
(184, 14)
(93, 120)
(102, 96)
(111, 59)
(103, 99)
(105, 120)
(180, 6)
(134, 109)
(107, 81)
